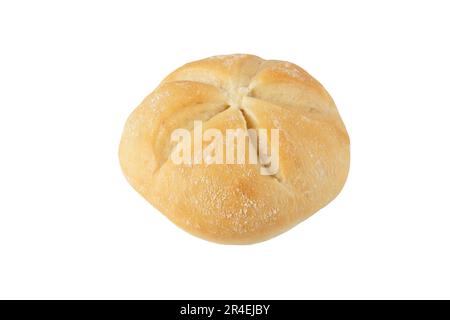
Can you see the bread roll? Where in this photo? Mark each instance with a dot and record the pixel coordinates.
(237, 203)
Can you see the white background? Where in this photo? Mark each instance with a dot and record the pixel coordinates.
(72, 227)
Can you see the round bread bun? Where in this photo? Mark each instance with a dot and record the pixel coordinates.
(234, 203)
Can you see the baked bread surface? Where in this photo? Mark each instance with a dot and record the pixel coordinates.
(235, 203)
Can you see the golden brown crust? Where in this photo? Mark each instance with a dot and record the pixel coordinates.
(234, 203)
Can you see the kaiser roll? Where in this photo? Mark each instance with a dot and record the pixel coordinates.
(237, 202)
